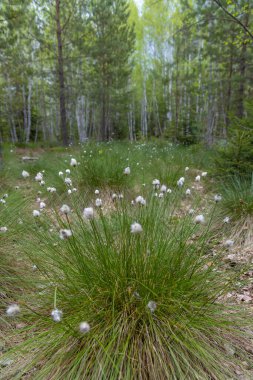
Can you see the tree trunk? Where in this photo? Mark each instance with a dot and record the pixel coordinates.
(131, 122)
(28, 130)
(102, 125)
(63, 114)
(81, 119)
(144, 121)
(229, 89)
(177, 99)
(210, 110)
(242, 70)
(10, 112)
(24, 110)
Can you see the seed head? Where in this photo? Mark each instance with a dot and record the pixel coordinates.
(13, 310)
(65, 234)
(65, 209)
(88, 213)
(136, 228)
(127, 170)
(25, 174)
(84, 327)
(200, 219)
(98, 202)
(56, 314)
(152, 306)
(73, 162)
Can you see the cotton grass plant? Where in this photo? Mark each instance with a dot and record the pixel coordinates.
(237, 205)
(13, 214)
(130, 294)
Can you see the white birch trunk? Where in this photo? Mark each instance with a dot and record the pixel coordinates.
(28, 129)
(24, 109)
(144, 121)
(81, 119)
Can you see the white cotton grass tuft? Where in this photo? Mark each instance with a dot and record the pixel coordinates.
(13, 310)
(140, 200)
(197, 178)
(229, 243)
(39, 177)
(188, 192)
(152, 306)
(42, 205)
(84, 327)
(36, 213)
(217, 198)
(180, 182)
(191, 211)
(68, 181)
(163, 188)
(3, 229)
(204, 174)
(3, 201)
(67, 171)
(98, 202)
(51, 189)
(114, 196)
(96, 191)
(88, 213)
(73, 162)
(60, 174)
(186, 168)
(65, 209)
(136, 228)
(42, 183)
(56, 315)
(127, 170)
(69, 191)
(25, 174)
(156, 183)
(169, 191)
(199, 219)
(65, 234)
(226, 220)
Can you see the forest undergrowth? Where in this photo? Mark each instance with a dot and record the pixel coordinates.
(124, 261)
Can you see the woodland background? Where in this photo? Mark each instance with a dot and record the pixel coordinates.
(74, 70)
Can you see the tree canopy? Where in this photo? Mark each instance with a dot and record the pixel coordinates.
(72, 70)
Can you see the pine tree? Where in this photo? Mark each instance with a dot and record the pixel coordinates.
(110, 55)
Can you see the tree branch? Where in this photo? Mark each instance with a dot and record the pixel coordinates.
(237, 20)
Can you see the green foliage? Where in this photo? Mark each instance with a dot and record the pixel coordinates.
(237, 199)
(111, 51)
(107, 276)
(101, 167)
(236, 157)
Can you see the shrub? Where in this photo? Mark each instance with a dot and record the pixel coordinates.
(236, 158)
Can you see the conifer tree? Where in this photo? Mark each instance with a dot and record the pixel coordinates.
(111, 53)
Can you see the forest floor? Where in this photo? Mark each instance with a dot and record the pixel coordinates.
(101, 171)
